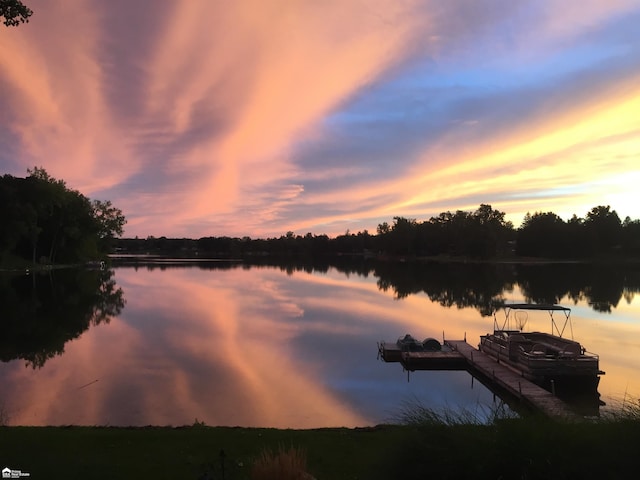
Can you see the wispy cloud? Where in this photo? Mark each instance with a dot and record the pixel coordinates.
(216, 118)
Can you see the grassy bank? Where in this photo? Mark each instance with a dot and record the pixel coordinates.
(513, 448)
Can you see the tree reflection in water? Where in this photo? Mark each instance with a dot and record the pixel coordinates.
(483, 286)
(478, 285)
(43, 311)
(173, 354)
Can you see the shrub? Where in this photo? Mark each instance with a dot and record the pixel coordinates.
(284, 464)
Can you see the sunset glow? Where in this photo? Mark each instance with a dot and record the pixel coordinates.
(211, 118)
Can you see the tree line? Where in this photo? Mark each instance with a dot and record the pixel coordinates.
(44, 221)
(600, 232)
(481, 234)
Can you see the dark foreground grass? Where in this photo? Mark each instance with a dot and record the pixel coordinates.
(511, 448)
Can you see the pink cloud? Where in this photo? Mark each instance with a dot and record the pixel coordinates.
(193, 117)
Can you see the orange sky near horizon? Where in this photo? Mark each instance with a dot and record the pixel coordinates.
(252, 118)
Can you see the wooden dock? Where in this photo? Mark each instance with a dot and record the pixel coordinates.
(533, 395)
(463, 356)
(433, 361)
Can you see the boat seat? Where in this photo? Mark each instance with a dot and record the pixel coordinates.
(538, 349)
(571, 351)
(518, 338)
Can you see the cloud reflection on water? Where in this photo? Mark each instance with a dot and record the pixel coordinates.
(257, 347)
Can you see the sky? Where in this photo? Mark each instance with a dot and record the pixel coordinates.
(259, 117)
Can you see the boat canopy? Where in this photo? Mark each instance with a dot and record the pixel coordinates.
(535, 306)
(551, 308)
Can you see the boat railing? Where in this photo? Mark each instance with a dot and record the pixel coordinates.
(531, 359)
(587, 354)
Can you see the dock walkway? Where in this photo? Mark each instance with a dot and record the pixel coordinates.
(506, 378)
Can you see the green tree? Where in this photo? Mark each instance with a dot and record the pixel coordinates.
(490, 232)
(403, 234)
(542, 235)
(383, 228)
(604, 229)
(14, 12)
(51, 219)
(15, 217)
(46, 221)
(109, 222)
(631, 236)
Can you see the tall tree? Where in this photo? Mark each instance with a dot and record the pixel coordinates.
(403, 233)
(631, 236)
(109, 221)
(490, 232)
(542, 234)
(604, 228)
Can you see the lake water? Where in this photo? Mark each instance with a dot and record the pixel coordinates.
(268, 346)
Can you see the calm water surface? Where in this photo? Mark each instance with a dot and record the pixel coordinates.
(264, 347)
